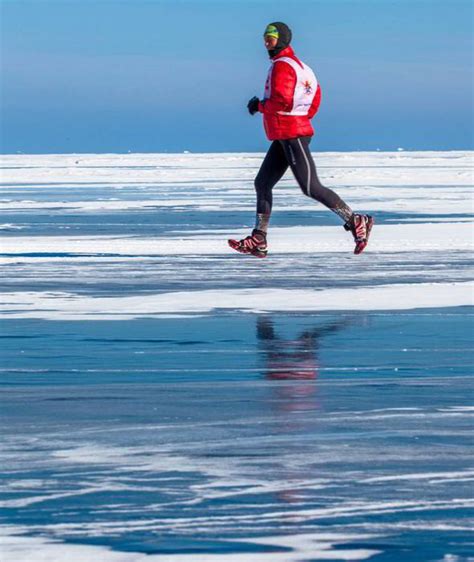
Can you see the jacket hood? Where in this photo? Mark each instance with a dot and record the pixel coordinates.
(284, 34)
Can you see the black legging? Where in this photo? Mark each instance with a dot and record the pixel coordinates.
(296, 154)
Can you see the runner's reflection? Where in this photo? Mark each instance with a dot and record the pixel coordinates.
(295, 363)
(293, 359)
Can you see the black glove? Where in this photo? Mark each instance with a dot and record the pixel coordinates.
(252, 105)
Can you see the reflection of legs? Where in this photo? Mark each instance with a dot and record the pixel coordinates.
(271, 171)
(311, 336)
(304, 170)
(308, 340)
(265, 330)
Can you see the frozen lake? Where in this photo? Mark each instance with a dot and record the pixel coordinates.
(167, 400)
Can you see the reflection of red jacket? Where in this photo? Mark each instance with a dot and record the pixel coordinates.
(289, 104)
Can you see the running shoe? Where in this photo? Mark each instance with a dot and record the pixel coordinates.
(360, 226)
(255, 244)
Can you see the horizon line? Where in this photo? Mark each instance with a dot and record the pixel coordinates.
(186, 152)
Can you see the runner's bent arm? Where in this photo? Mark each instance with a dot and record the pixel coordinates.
(282, 89)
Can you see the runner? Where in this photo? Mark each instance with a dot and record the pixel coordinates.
(291, 99)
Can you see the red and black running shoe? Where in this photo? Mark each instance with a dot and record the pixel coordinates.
(360, 226)
(255, 244)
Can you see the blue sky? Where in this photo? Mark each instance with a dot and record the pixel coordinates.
(153, 76)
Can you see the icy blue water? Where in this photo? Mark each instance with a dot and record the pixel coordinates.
(225, 435)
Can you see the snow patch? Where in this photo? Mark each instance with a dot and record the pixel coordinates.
(70, 306)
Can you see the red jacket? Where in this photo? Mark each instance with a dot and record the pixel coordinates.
(285, 113)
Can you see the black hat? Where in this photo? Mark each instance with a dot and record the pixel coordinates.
(280, 31)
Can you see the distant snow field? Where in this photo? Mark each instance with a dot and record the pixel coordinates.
(154, 195)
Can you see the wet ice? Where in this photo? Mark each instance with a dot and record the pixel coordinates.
(164, 399)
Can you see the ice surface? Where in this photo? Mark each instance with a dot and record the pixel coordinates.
(66, 306)
(164, 399)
